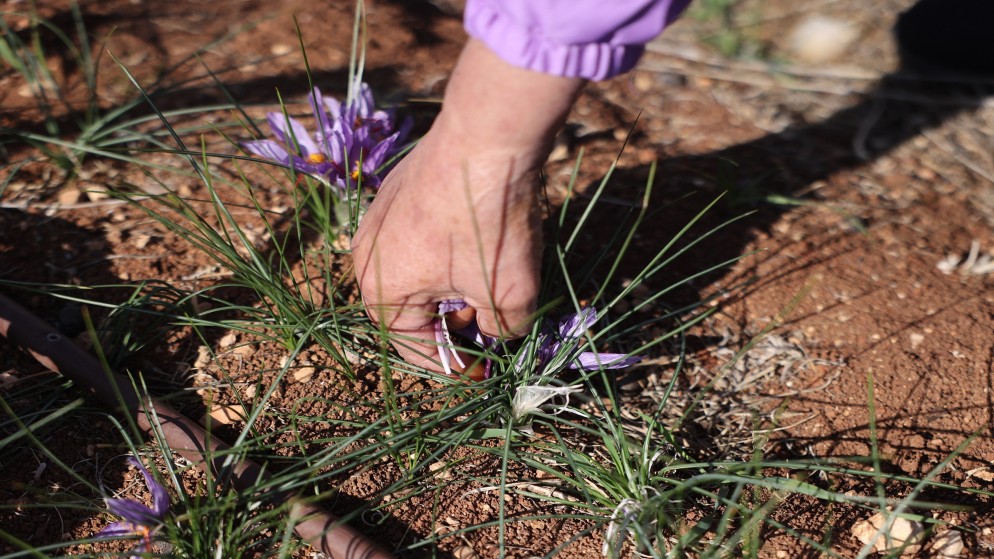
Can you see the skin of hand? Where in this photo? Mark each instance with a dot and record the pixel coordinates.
(458, 217)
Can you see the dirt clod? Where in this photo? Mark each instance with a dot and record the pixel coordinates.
(887, 532)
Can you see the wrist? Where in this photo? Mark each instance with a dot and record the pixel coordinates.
(492, 107)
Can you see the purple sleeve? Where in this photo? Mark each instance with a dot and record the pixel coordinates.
(593, 39)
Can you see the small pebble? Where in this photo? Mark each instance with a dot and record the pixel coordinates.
(464, 552)
(947, 545)
(916, 339)
(819, 39)
(228, 340)
(901, 531)
(304, 374)
(69, 195)
(225, 414)
(643, 82)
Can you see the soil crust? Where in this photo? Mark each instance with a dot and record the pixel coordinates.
(857, 184)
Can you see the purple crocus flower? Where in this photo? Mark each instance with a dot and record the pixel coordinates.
(570, 334)
(352, 142)
(446, 349)
(550, 343)
(136, 518)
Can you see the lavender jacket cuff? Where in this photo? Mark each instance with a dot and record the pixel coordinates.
(592, 39)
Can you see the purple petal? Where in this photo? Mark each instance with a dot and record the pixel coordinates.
(335, 147)
(132, 511)
(405, 129)
(362, 141)
(378, 155)
(347, 142)
(364, 100)
(301, 165)
(573, 326)
(379, 125)
(592, 361)
(334, 107)
(160, 497)
(451, 305)
(318, 103)
(547, 349)
(350, 115)
(268, 149)
(277, 123)
(116, 529)
(379, 118)
(296, 136)
(371, 180)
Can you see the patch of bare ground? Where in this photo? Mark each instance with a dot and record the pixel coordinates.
(860, 180)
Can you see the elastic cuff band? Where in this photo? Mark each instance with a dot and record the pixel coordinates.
(519, 47)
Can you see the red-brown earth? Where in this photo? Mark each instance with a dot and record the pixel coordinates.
(860, 180)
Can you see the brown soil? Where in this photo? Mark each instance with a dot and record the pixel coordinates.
(860, 182)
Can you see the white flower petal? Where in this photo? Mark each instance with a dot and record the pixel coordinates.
(530, 399)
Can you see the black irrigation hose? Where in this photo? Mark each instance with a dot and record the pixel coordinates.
(318, 527)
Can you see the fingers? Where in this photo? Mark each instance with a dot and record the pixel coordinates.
(512, 318)
(417, 347)
(410, 328)
(416, 334)
(426, 353)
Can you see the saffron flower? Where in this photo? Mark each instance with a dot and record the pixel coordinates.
(136, 518)
(552, 348)
(352, 142)
(447, 349)
(568, 338)
(530, 399)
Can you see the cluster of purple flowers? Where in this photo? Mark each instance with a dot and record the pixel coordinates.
(353, 140)
(554, 345)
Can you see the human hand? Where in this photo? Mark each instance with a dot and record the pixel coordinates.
(458, 218)
(440, 230)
